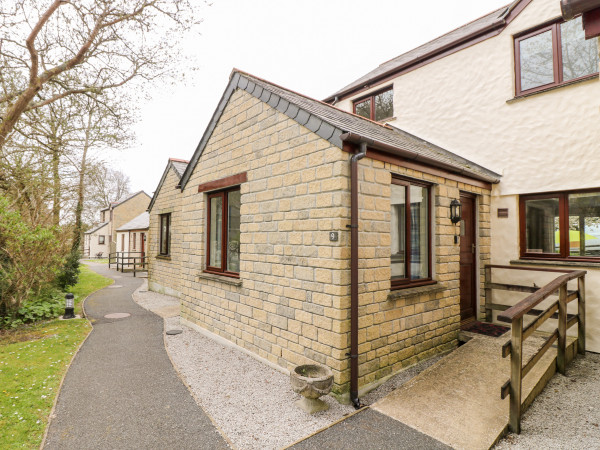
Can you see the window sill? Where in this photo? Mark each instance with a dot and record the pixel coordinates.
(221, 278)
(516, 98)
(164, 257)
(556, 263)
(415, 291)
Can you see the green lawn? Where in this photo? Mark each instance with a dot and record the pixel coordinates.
(97, 260)
(33, 361)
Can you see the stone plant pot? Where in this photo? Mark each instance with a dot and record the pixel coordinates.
(311, 381)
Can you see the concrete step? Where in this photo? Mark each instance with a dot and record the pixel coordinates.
(457, 400)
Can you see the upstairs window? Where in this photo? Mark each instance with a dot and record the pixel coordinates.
(378, 106)
(165, 234)
(561, 225)
(554, 55)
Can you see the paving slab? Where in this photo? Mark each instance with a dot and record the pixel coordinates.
(121, 390)
(457, 400)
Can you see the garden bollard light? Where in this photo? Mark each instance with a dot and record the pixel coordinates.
(69, 306)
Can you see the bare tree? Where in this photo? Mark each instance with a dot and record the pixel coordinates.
(53, 49)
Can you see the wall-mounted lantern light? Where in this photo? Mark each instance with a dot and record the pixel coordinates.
(455, 215)
(69, 307)
(455, 211)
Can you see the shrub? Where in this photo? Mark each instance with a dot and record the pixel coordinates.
(69, 272)
(30, 259)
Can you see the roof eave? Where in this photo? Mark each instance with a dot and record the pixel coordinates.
(409, 155)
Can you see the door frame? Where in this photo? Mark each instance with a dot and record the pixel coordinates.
(476, 258)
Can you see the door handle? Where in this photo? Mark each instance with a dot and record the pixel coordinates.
(473, 248)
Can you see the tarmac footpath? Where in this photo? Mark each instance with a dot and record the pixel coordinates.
(121, 391)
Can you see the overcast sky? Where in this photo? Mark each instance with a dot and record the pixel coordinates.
(314, 47)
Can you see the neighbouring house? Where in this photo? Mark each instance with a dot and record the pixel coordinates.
(517, 91)
(119, 213)
(95, 241)
(304, 233)
(165, 242)
(131, 237)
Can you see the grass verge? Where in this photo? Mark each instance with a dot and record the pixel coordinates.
(33, 361)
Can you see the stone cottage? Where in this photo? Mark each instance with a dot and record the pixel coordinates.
(165, 240)
(301, 232)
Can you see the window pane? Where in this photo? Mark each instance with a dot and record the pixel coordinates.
(584, 224)
(384, 105)
(216, 230)
(364, 108)
(542, 223)
(579, 57)
(398, 231)
(233, 231)
(537, 67)
(419, 245)
(164, 234)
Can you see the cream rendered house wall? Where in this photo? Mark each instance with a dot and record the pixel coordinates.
(93, 242)
(546, 142)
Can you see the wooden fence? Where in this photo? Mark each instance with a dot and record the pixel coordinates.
(124, 261)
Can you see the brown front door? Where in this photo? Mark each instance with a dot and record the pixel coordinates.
(468, 276)
(142, 244)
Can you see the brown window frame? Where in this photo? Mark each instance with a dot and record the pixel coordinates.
(407, 282)
(556, 59)
(166, 216)
(224, 225)
(563, 214)
(372, 96)
(101, 240)
(133, 240)
(123, 242)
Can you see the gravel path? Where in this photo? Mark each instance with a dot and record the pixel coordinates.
(252, 403)
(567, 413)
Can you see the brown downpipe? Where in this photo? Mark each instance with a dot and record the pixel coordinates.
(354, 274)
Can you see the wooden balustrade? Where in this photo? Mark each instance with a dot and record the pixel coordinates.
(124, 259)
(515, 315)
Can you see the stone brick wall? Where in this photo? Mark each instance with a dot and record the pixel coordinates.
(164, 271)
(289, 305)
(291, 302)
(400, 328)
(125, 212)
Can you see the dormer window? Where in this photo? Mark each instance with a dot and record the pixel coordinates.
(554, 55)
(377, 106)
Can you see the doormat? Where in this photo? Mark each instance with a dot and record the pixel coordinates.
(487, 329)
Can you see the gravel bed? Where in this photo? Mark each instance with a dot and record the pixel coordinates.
(252, 403)
(566, 415)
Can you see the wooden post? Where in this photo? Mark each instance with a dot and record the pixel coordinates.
(489, 314)
(134, 258)
(561, 359)
(581, 316)
(516, 372)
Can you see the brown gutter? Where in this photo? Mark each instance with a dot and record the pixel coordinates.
(571, 8)
(354, 274)
(407, 154)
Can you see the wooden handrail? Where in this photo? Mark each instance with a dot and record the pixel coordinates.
(521, 308)
(534, 269)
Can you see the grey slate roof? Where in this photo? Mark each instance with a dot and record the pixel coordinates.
(495, 19)
(96, 228)
(178, 166)
(335, 125)
(141, 222)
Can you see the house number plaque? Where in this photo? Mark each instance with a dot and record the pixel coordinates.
(333, 236)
